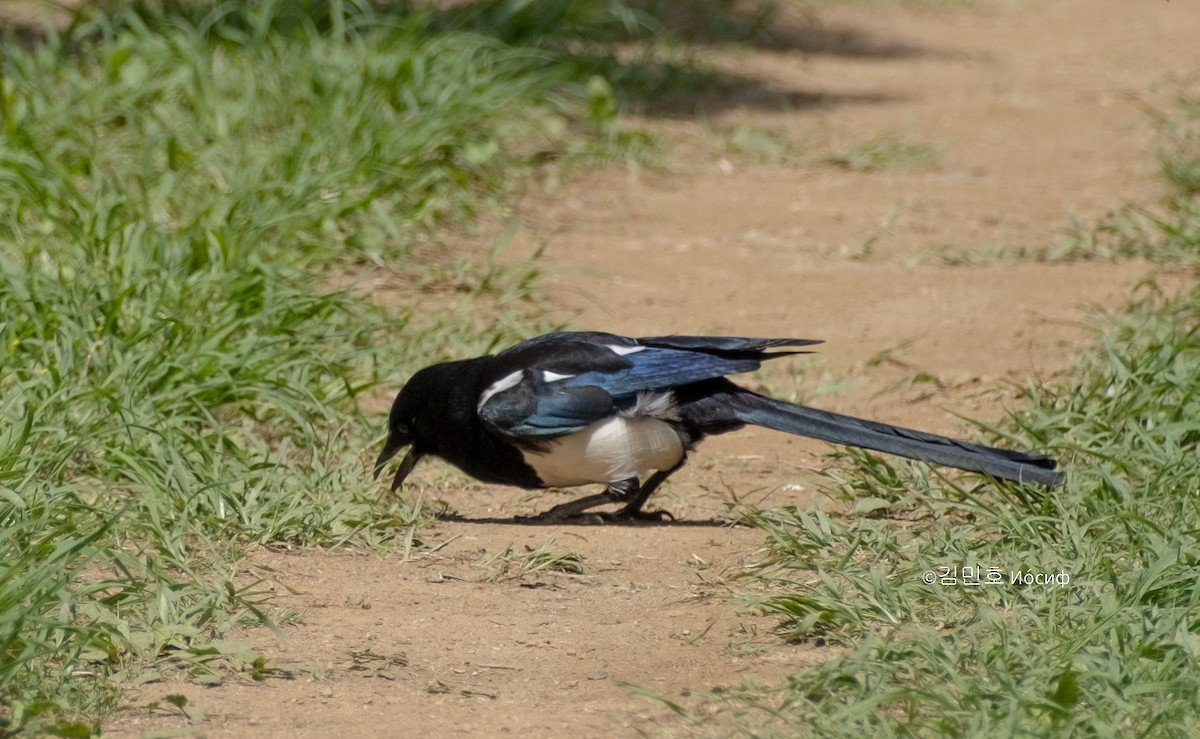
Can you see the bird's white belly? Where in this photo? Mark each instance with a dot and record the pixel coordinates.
(611, 450)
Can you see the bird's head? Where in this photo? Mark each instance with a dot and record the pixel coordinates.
(400, 435)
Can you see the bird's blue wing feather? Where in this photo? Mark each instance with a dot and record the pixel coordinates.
(662, 369)
(533, 409)
(538, 408)
(727, 344)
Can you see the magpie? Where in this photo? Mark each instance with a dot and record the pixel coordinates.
(576, 408)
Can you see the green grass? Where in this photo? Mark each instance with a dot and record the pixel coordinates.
(1105, 644)
(1179, 151)
(539, 561)
(1167, 232)
(194, 198)
(190, 198)
(887, 152)
(753, 144)
(197, 200)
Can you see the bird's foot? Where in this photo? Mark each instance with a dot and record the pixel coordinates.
(599, 517)
(550, 516)
(627, 516)
(628, 492)
(638, 514)
(576, 509)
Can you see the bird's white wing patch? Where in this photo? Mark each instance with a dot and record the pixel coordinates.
(621, 351)
(549, 376)
(499, 386)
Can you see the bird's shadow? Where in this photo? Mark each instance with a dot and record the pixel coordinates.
(593, 520)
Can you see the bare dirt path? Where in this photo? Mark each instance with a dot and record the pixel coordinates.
(1033, 110)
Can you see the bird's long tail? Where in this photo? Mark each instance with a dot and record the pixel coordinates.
(839, 429)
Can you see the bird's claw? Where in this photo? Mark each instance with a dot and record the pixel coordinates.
(640, 515)
(598, 517)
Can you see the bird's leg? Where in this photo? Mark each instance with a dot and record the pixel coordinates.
(639, 496)
(616, 492)
(629, 492)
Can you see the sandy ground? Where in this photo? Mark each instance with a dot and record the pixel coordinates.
(1036, 112)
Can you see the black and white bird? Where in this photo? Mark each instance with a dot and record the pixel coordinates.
(577, 408)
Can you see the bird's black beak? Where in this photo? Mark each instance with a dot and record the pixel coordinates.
(406, 466)
(394, 444)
